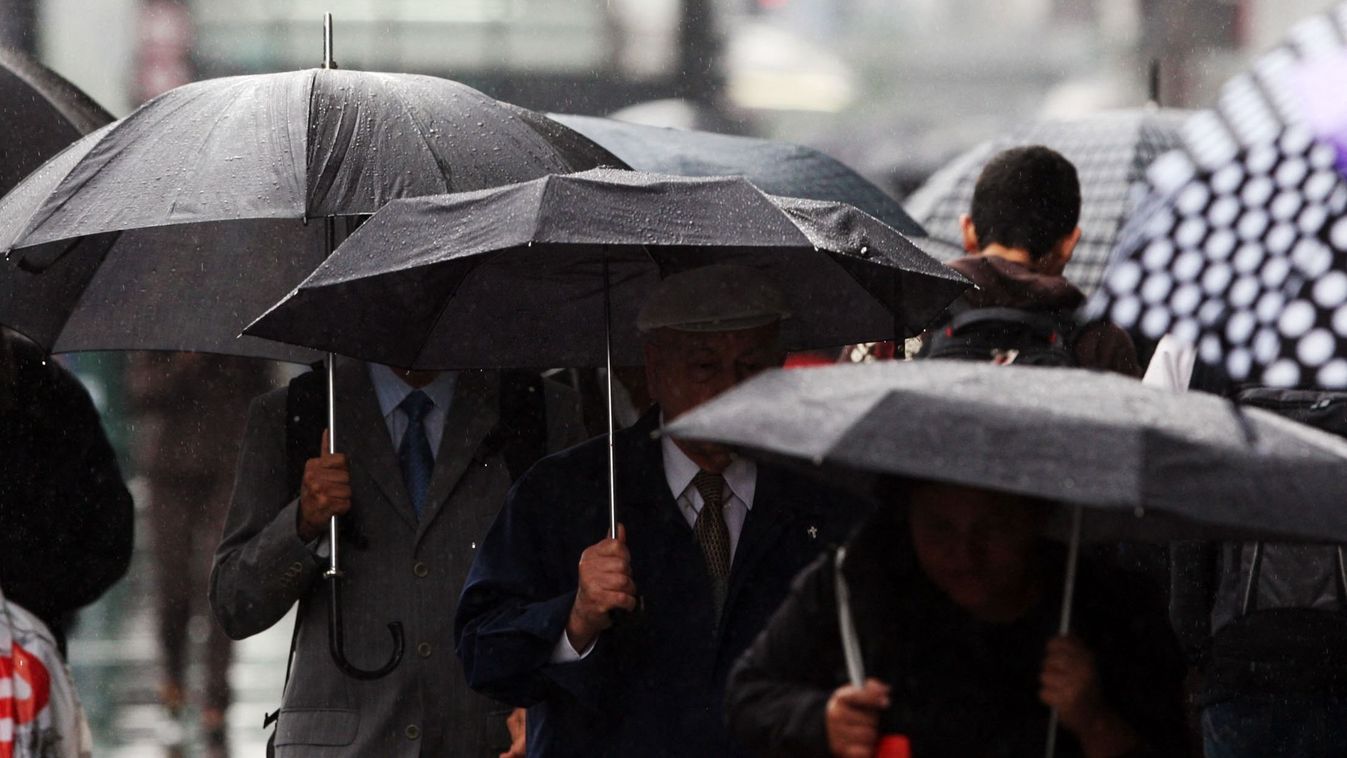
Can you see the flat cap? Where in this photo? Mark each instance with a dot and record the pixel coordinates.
(716, 298)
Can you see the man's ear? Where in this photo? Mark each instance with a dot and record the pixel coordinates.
(970, 234)
(1067, 247)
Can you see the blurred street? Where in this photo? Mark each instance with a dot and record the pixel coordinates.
(115, 661)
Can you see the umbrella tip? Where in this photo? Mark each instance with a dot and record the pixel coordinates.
(328, 61)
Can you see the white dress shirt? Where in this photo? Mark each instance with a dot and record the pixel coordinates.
(741, 479)
(391, 390)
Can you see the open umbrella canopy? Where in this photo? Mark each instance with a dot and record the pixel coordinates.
(209, 183)
(779, 168)
(1147, 463)
(40, 114)
(1111, 152)
(1241, 246)
(528, 275)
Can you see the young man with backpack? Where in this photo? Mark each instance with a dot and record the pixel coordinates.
(1019, 234)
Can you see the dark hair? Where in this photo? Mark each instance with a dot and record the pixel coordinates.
(1028, 198)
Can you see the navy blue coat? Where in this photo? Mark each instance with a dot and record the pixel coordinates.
(654, 683)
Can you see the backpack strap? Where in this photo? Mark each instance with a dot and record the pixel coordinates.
(1046, 325)
(305, 420)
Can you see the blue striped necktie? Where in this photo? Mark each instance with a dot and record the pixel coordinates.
(414, 453)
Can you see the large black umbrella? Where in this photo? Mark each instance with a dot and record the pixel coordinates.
(1111, 152)
(1241, 246)
(515, 276)
(179, 175)
(186, 218)
(781, 168)
(40, 114)
(553, 272)
(1146, 463)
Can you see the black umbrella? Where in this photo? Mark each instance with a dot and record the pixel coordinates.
(1146, 463)
(40, 113)
(515, 276)
(189, 216)
(1111, 152)
(780, 168)
(269, 150)
(553, 271)
(1241, 246)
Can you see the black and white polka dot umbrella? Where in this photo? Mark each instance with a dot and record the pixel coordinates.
(1241, 244)
(1110, 151)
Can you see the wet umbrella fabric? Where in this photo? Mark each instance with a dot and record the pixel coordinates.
(40, 114)
(1145, 463)
(1111, 152)
(515, 276)
(209, 182)
(1241, 246)
(778, 168)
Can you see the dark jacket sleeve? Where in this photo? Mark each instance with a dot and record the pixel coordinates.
(518, 597)
(88, 548)
(777, 692)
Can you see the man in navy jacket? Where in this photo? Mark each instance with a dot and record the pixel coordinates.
(621, 647)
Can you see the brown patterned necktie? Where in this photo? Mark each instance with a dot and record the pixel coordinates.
(712, 534)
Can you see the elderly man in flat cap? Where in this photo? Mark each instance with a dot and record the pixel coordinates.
(621, 647)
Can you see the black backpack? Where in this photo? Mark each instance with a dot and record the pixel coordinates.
(1004, 335)
(1282, 608)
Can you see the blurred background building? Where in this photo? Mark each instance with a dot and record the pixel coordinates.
(892, 87)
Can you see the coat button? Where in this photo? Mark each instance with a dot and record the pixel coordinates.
(423, 650)
(412, 731)
(420, 569)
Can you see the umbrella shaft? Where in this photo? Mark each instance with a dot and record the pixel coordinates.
(333, 564)
(608, 369)
(1068, 593)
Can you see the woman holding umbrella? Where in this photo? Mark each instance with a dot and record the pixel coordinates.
(956, 597)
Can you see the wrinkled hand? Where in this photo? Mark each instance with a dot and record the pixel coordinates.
(324, 492)
(605, 585)
(1069, 682)
(518, 742)
(852, 718)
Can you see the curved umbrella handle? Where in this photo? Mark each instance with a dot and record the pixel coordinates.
(337, 644)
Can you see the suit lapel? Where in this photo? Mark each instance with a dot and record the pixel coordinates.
(767, 521)
(472, 416)
(362, 433)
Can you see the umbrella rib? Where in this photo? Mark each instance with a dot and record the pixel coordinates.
(445, 169)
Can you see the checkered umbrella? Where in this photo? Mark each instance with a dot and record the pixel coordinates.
(1110, 151)
(1241, 245)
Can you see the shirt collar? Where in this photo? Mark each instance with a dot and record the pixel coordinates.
(741, 475)
(391, 390)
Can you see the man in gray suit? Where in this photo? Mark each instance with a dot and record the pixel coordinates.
(422, 474)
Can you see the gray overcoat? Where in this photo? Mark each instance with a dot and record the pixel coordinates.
(407, 570)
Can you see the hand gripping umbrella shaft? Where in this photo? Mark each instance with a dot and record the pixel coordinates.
(335, 637)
